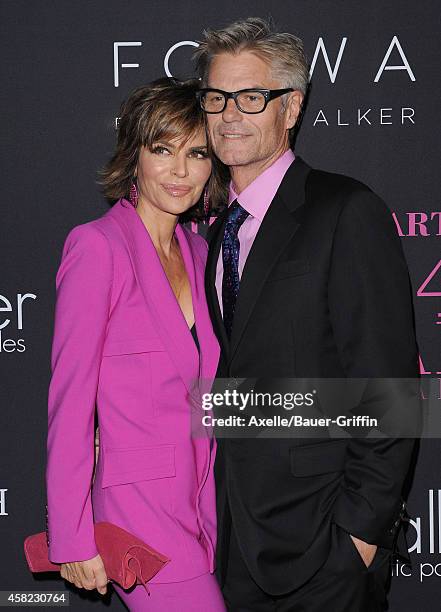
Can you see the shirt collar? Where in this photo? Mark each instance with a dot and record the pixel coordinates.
(258, 195)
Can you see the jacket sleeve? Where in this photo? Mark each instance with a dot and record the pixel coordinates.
(371, 311)
(83, 285)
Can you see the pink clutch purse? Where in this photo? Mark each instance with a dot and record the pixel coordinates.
(127, 560)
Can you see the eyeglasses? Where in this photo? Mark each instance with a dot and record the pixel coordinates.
(249, 101)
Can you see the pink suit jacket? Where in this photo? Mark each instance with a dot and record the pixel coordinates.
(121, 343)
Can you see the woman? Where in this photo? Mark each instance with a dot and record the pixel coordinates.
(133, 337)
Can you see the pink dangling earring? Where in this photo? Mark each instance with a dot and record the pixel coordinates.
(134, 193)
(206, 205)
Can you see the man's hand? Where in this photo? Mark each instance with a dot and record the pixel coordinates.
(88, 574)
(97, 451)
(366, 551)
(97, 444)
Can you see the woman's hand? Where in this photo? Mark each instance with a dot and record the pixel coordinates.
(88, 574)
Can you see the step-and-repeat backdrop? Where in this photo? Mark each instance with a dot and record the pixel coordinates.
(373, 113)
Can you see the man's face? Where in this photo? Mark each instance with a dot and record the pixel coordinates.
(241, 139)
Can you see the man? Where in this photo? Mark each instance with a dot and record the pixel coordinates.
(303, 524)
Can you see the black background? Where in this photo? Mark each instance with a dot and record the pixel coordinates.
(58, 105)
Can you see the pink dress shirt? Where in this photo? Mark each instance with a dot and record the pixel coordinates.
(256, 199)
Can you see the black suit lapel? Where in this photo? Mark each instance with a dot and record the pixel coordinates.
(216, 233)
(277, 229)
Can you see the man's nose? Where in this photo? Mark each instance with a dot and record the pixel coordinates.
(231, 112)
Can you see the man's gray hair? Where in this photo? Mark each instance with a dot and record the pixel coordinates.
(281, 50)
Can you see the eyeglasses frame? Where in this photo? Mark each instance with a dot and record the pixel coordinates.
(269, 94)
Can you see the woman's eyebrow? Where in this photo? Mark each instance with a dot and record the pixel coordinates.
(163, 143)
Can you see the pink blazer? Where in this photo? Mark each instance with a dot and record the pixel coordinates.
(121, 343)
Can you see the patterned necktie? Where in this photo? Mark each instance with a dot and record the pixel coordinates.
(230, 259)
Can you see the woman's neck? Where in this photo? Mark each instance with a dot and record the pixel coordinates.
(160, 226)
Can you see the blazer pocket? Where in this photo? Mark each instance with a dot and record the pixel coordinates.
(127, 465)
(129, 346)
(290, 267)
(319, 458)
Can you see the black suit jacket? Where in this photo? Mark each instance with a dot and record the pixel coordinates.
(325, 292)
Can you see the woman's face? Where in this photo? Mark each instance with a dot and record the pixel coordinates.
(172, 175)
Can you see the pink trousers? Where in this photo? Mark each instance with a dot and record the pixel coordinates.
(201, 594)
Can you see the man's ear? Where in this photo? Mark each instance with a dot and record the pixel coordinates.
(293, 108)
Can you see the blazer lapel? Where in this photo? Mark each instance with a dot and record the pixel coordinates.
(160, 299)
(209, 348)
(208, 357)
(277, 229)
(214, 251)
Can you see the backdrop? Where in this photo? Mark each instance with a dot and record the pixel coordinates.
(65, 68)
